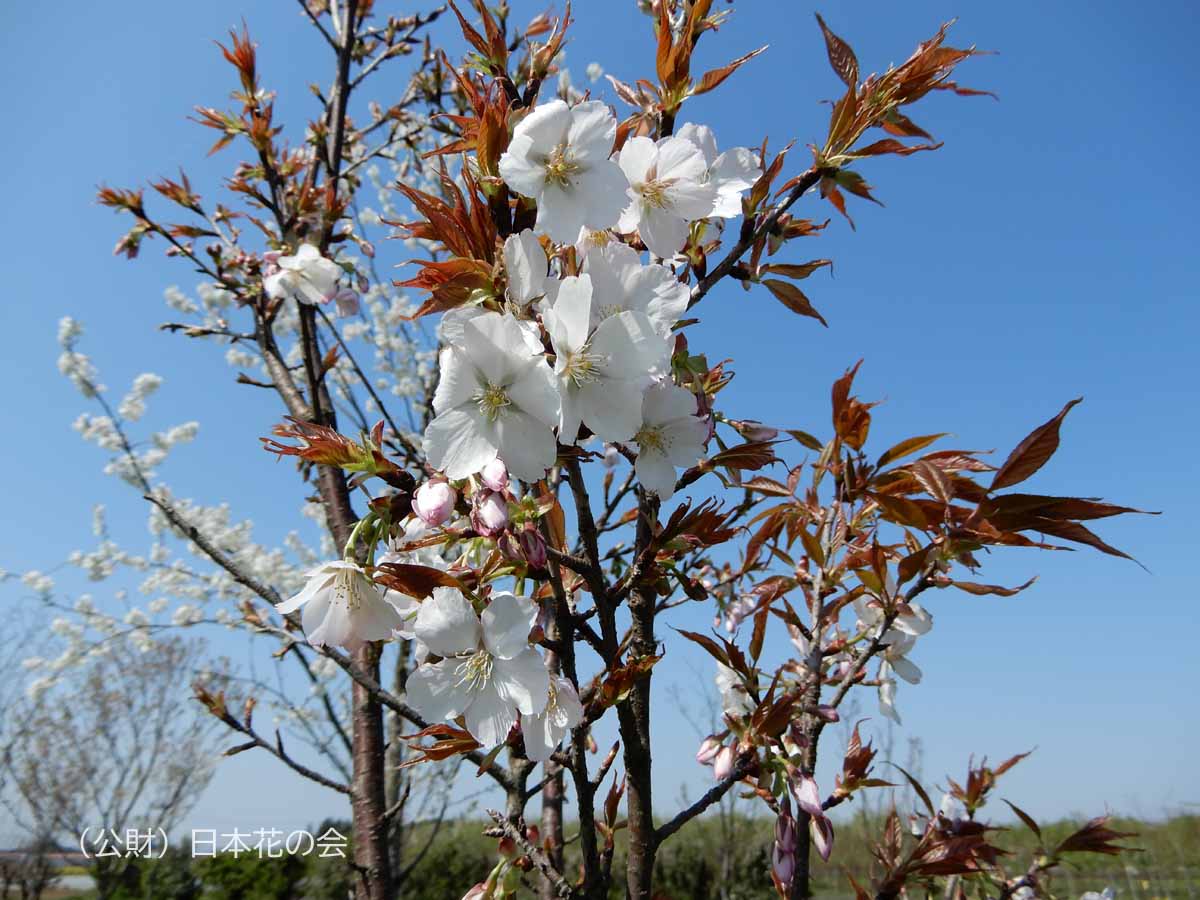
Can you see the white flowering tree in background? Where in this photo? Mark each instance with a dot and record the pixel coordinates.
(109, 742)
(524, 472)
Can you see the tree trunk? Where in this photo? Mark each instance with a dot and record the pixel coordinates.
(370, 830)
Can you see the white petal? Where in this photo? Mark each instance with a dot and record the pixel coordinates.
(526, 445)
(667, 402)
(611, 408)
(907, 670)
(561, 213)
(637, 156)
(458, 380)
(603, 193)
(685, 440)
(572, 412)
(702, 136)
(663, 232)
(495, 344)
(460, 442)
(519, 168)
(526, 264)
(691, 200)
(568, 701)
(447, 624)
(507, 622)
(631, 347)
(680, 159)
(592, 132)
(314, 614)
(434, 692)
(316, 581)
(523, 681)
(540, 742)
(535, 392)
(572, 314)
(546, 127)
(490, 717)
(655, 473)
(736, 169)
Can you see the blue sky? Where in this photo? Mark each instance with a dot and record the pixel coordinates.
(1047, 251)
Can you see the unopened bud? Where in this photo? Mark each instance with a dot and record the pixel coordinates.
(495, 475)
(489, 513)
(434, 501)
(709, 748)
(723, 764)
(347, 302)
(533, 546)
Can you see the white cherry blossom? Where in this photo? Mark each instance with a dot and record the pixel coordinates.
(601, 373)
(559, 156)
(666, 191)
(734, 699)
(308, 276)
(620, 282)
(527, 266)
(495, 397)
(342, 607)
(730, 173)
(670, 435)
(545, 730)
(488, 674)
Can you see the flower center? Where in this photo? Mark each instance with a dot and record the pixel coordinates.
(493, 400)
(475, 671)
(654, 193)
(583, 367)
(347, 588)
(652, 438)
(560, 167)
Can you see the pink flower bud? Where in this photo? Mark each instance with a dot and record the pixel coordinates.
(368, 248)
(533, 546)
(709, 748)
(807, 794)
(434, 501)
(723, 764)
(363, 284)
(783, 865)
(495, 475)
(479, 891)
(347, 302)
(612, 456)
(827, 713)
(756, 431)
(785, 828)
(489, 513)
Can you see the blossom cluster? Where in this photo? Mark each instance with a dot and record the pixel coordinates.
(576, 344)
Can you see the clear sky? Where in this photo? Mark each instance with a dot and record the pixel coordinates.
(1048, 250)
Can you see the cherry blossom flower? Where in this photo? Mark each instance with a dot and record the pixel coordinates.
(433, 503)
(488, 674)
(559, 156)
(343, 607)
(308, 276)
(666, 191)
(670, 436)
(407, 606)
(495, 398)
(545, 730)
(527, 267)
(734, 699)
(601, 373)
(621, 282)
(730, 173)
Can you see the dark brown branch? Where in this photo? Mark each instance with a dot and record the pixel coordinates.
(535, 854)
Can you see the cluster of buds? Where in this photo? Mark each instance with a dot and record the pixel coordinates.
(783, 851)
(721, 756)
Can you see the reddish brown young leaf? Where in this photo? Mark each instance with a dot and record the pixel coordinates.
(1032, 453)
(793, 298)
(980, 590)
(413, 580)
(714, 77)
(907, 446)
(841, 57)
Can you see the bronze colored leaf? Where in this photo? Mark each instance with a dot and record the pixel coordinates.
(841, 57)
(1033, 452)
(793, 298)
